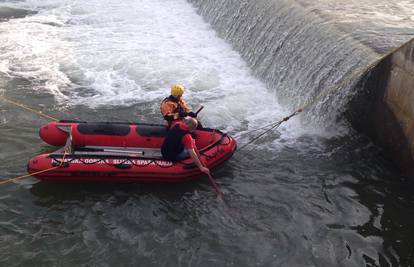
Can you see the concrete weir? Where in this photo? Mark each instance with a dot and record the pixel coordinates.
(399, 99)
(388, 113)
(300, 56)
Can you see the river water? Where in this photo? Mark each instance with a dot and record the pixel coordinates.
(308, 194)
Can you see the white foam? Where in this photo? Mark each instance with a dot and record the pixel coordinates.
(131, 52)
(32, 48)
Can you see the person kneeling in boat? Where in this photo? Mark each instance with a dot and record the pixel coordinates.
(174, 108)
(180, 144)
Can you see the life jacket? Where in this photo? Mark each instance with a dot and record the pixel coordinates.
(173, 144)
(178, 109)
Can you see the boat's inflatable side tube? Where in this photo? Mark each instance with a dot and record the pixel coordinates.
(55, 133)
(125, 168)
(103, 133)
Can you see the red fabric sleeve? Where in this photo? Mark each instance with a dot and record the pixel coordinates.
(188, 141)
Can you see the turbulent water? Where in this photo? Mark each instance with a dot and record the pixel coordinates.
(307, 50)
(311, 193)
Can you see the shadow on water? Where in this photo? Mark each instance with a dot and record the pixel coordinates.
(174, 200)
(49, 194)
(391, 203)
(66, 191)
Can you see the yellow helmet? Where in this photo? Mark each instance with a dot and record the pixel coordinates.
(177, 90)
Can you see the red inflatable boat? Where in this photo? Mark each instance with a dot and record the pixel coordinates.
(121, 152)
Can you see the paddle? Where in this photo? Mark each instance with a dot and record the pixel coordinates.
(198, 110)
(213, 183)
(210, 177)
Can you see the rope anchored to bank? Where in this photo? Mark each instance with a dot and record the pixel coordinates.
(357, 73)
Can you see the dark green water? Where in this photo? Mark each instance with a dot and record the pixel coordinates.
(299, 198)
(317, 201)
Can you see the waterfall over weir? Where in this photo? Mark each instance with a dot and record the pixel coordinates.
(297, 52)
(307, 57)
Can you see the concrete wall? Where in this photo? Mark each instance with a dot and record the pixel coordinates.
(385, 107)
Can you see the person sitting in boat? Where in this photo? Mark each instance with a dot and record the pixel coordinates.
(174, 108)
(180, 144)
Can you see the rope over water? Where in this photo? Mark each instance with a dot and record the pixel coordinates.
(311, 102)
(12, 180)
(271, 126)
(28, 108)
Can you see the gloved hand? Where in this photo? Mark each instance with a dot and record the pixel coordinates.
(182, 114)
(169, 118)
(192, 114)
